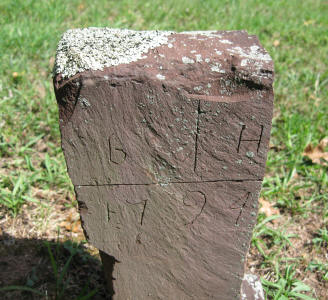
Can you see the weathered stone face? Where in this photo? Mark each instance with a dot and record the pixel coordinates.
(167, 154)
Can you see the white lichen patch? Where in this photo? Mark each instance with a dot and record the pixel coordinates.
(256, 286)
(187, 60)
(250, 154)
(218, 52)
(225, 42)
(198, 88)
(209, 33)
(217, 68)
(199, 58)
(244, 62)
(160, 77)
(84, 102)
(252, 53)
(96, 48)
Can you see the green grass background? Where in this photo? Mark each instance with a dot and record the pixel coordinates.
(294, 32)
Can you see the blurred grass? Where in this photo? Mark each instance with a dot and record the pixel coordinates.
(294, 33)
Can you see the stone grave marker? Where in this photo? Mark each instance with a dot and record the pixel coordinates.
(165, 136)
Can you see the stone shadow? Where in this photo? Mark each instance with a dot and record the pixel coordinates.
(27, 263)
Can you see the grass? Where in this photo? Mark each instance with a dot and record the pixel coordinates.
(286, 287)
(288, 252)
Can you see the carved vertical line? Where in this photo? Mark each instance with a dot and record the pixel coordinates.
(143, 212)
(260, 139)
(240, 137)
(108, 211)
(110, 150)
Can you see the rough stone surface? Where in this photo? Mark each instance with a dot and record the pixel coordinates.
(167, 155)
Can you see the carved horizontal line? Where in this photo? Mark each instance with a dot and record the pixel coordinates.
(171, 182)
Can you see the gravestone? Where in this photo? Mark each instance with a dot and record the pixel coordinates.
(165, 136)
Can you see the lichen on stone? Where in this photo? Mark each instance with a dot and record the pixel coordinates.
(216, 68)
(256, 286)
(251, 55)
(160, 77)
(96, 48)
(208, 33)
(187, 60)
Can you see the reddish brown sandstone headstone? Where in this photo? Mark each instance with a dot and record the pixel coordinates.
(165, 136)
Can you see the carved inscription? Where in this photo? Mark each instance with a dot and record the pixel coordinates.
(195, 202)
(109, 212)
(116, 153)
(114, 212)
(257, 140)
(244, 200)
(112, 215)
(143, 205)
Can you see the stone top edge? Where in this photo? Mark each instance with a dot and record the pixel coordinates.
(95, 48)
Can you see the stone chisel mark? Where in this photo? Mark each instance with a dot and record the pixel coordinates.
(197, 133)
